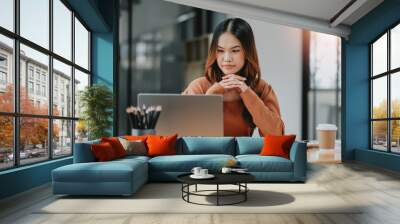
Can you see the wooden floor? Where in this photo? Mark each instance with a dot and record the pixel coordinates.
(378, 189)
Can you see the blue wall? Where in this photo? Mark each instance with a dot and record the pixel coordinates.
(102, 60)
(356, 84)
(98, 15)
(24, 178)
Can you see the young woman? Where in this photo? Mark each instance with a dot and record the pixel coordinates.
(232, 70)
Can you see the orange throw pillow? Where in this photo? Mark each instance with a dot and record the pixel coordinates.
(135, 138)
(161, 145)
(116, 145)
(277, 145)
(103, 151)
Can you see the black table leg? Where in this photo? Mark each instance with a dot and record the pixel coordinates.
(182, 190)
(217, 194)
(243, 189)
(188, 190)
(245, 193)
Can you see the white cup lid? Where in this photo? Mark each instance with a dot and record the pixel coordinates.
(326, 127)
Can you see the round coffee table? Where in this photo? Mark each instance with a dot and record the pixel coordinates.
(238, 179)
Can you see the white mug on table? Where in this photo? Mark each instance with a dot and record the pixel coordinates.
(196, 171)
(203, 172)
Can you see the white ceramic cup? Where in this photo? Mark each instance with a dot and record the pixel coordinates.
(196, 170)
(226, 170)
(203, 172)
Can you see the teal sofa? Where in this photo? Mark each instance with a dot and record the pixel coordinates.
(125, 176)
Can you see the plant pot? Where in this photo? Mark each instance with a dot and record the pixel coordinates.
(139, 132)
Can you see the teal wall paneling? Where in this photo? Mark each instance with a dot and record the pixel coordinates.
(24, 178)
(356, 99)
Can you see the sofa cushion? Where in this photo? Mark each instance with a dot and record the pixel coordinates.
(161, 145)
(103, 152)
(206, 145)
(134, 147)
(133, 158)
(257, 163)
(277, 145)
(111, 171)
(249, 145)
(83, 152)
(116, 145)
(185, 163)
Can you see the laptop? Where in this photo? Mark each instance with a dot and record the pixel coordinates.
(187, 115)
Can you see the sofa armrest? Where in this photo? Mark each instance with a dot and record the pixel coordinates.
(83, 152)
(298, 155)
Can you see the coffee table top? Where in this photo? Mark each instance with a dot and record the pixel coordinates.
(220, 178)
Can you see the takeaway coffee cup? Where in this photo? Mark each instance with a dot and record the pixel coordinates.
(326, 136)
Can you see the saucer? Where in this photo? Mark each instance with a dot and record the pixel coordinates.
(208, 176)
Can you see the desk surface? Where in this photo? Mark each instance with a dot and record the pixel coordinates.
(316, 155)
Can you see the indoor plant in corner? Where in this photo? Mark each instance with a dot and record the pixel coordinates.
(96, 102)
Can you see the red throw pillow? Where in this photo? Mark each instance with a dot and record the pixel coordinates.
(116, 145)
(103, 151)
(161, 145)
(277, 145)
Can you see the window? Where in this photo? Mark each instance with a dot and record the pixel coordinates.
(33, 149)
(7, 14)
(62, 141)
(81, 81)
(3, 78)
(6, 74)
(385, 94)
(62, 31)
(55, 127)
(30, 87)
(38, 89)
(35, 22)
(6, 142)
(37, 75)
(3, 61)
(30, 72)
(81, 45)
(323, 89)
(62, 74)
(44, 91)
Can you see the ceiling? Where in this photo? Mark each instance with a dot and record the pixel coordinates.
(327, 16)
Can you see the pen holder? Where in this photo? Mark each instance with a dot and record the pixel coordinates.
(139, 132)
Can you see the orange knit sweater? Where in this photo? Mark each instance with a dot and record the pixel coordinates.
(264, 109)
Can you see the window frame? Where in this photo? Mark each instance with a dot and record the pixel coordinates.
(16, 114)
(388, 74)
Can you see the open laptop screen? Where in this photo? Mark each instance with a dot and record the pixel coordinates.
(187, 115)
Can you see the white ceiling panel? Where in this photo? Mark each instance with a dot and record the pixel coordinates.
(321, 9)
(316, 15)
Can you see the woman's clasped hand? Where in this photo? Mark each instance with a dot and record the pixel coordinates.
(233, 81)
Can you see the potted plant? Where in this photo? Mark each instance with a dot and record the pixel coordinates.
(96, 102)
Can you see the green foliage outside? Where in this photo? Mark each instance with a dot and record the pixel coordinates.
(379, 128)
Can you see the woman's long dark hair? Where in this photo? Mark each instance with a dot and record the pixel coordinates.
(251, 69)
